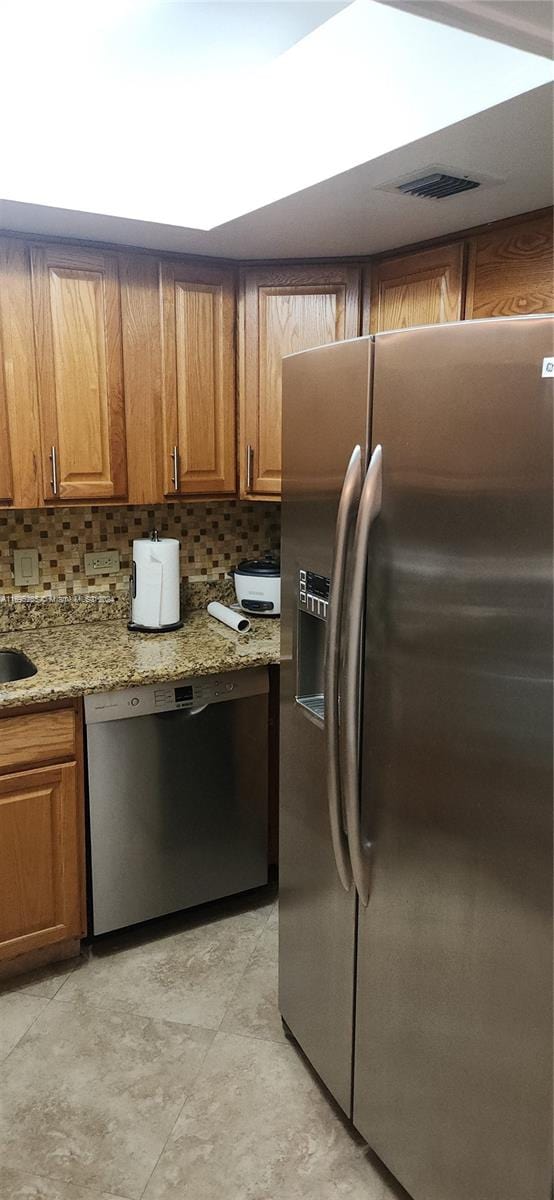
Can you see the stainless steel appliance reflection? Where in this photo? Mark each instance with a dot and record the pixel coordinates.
(416, 746)
(178, 796)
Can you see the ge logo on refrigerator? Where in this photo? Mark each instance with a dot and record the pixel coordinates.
(548, 368)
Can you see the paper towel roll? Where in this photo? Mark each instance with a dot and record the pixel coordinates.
(156, 602)
(235, 620)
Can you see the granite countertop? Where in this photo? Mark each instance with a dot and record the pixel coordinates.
(74, 660)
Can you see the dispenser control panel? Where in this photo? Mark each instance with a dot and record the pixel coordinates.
(313, 593)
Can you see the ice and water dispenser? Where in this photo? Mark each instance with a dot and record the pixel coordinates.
(313, 602)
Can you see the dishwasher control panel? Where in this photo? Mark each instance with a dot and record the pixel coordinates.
(170, 697)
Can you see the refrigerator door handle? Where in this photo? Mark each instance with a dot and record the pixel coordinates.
(348, 504)
(369, 509)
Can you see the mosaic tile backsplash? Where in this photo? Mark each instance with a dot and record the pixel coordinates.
(213, 537)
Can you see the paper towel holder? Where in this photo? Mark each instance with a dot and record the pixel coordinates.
(134, 626)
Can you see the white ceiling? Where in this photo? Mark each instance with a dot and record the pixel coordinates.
(205, 37)
(528, 24)
(415, 94)
(346, 215)
(123, 106)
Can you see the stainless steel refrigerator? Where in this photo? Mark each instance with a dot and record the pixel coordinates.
(416, 744)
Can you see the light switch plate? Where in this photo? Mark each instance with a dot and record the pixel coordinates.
(102, 562)
(25, 568)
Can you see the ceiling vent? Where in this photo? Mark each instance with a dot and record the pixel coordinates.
(437, 183)
(438, 186)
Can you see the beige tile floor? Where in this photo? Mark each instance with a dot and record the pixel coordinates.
(156, 1067)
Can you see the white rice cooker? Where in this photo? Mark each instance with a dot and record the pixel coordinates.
(258, 586)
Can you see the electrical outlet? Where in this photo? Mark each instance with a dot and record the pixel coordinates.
(25, 568)
(102, 562)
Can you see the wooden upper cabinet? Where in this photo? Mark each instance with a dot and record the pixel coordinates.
(511, 270)
(198, 379)
(20, 482)
(142, 371)
(423, 288)
(283, 310)
(77, 317)
(6, 472)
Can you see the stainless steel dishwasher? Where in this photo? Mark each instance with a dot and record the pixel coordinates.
(177, 778)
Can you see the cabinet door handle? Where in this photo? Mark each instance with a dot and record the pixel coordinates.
(54, 475)
(175, 459)
(249, 468)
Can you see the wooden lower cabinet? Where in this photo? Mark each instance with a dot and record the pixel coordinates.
(41, 838)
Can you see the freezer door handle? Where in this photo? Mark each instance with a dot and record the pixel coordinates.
(368, 511)
(346, 514)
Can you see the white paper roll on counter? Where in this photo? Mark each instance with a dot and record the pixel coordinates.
(235, 620)
(156, 599)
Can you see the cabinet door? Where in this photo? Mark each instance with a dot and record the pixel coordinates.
(80, 382)
(19, 426)
(142, 369)
(198, 379)
(424, 288)
(283, 310)
(511, 270)
(6, 473)
(40, 859)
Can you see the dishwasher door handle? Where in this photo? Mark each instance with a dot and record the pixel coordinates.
(173, 714)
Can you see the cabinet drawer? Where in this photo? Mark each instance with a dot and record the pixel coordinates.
(27, 740)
